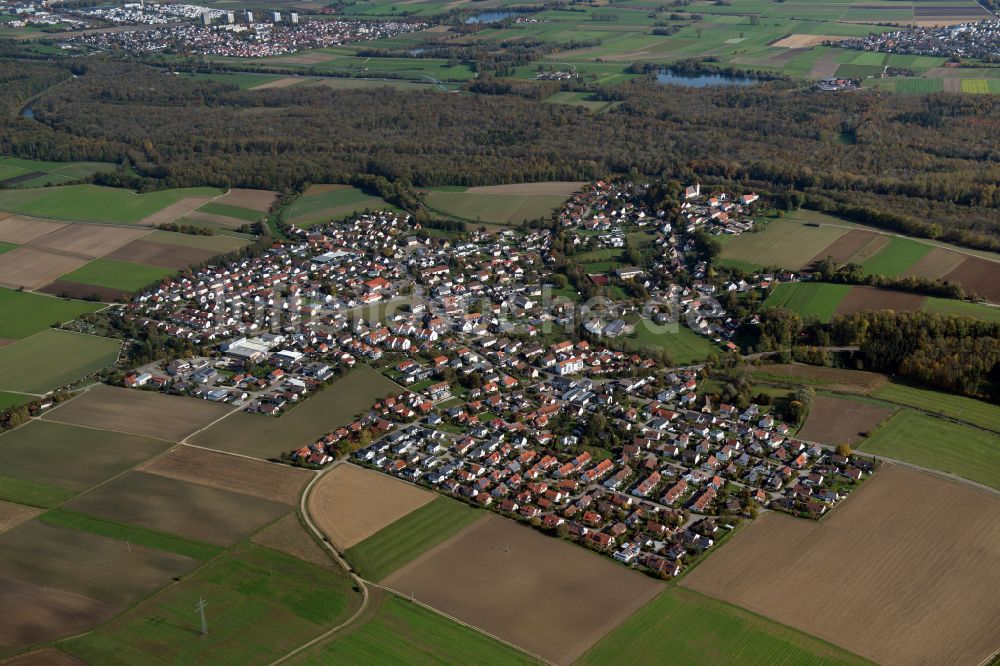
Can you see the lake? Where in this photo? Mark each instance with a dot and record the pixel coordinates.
(670, 77)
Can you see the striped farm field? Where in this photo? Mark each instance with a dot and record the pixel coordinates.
(980, 86)
(808, 298)
(896, 258)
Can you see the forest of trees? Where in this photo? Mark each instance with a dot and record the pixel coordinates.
(955, 354)
(927, 165)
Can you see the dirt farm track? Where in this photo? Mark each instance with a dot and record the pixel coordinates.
(904, 572)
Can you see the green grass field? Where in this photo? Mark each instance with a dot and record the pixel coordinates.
(25, 313)
(116, 274)
(232, 211)
(948, 306)
(54, 173)
(938, 444)
(53, 358)
(33, 494)
(267, 437)
(683, 627)
(8, 400)
(393, 546)
(977, 412)
(404, 633)
(130, 534)
(683, 346)
(494, 208)
(261, 605)
(808, 298)
(94, 203)
(332, 204)
(896, 258)
(242, 81)
(786, 243)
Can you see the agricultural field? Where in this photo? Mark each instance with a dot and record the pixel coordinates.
(350, 503)
(938, 444)
(266, 437)
(976, 412)
(850, 381)
(70, 457)
(896, 258)
(124, 276)
(289, 536)
(414, 533)
(19, 230)
(785, 243)
(19, 172)
(840, 421)
(146, 413)
(503, 204)
(53, 358)
(682, 346)
(93, 203)
(270, 481)
(895, 574)
(12, 515)
(542, 591)
(824, 300)
(82, 577)
(188, 510)
(26, 314)
(261, 605)
(322, 203)
(86, 241)
(404, 632)
(809, 299)
(696, 629)
(8, 400)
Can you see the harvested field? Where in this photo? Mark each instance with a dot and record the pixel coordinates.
(254, 199)
(839, 421)
(545, 595)
(936, 263)
(904, 572)
(174, 211)
(87, 240)
(280, 83)
(848, 380)
(553, 187)
(288, 536)
(266, 437)
(789, 243)
(138, 412)
(12, 515)
(44, 613)
(83, 563)
(21, 230)
(161, 254)
(846, 246)
(69, 289)
(977, 276)
(862, 299)
(270, 481)
(797, 41)
(349, 504)
(190, 510)
(28, 268)
(70, 457)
